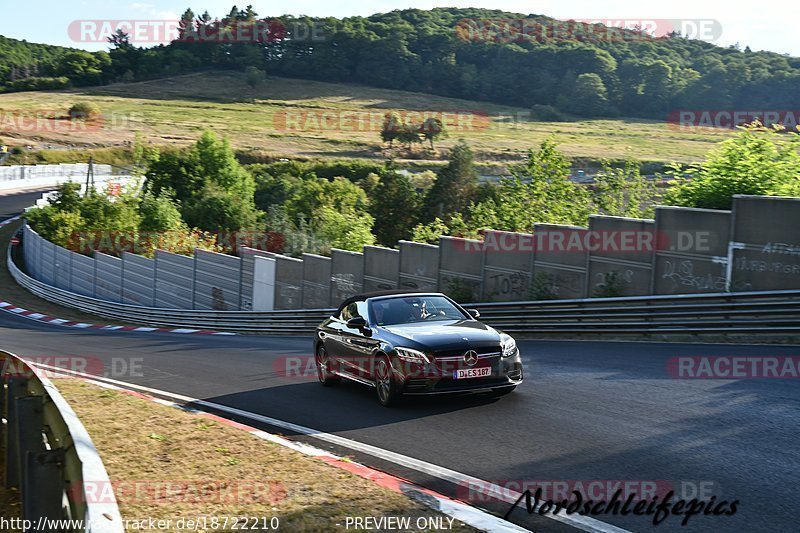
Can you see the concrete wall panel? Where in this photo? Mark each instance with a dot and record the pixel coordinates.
(559, 262)
(174, 280)
(692, 249)
(508, 266)
(621, 249)
(419, 266)
(138, 280)
(108, 277)
(316, 281)
(216, 281)
(82, 274)
(347, 274)
(767, 250)
(381, 268)
(461, 268)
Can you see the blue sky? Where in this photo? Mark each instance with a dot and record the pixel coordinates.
(763, 25)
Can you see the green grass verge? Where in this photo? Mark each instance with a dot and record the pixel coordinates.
(176, 110)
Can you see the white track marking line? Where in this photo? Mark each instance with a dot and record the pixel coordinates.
(584, 523)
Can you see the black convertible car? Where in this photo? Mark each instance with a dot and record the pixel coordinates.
(414, 343)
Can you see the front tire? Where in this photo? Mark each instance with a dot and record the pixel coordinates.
(385, 383)
(324, 368)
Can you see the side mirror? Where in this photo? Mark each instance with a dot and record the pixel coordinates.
(473, 313)
(357, 322)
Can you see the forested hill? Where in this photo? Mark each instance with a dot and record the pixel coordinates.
(469, 53)
(25, 66)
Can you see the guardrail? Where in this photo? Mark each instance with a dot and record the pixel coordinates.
(772, 313)
(50, 457)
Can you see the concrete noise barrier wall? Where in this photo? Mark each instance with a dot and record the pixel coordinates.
(288, 282)
(419, 266)
(138, 277)
(461, 268)
(217, 279)
(82, 274)
(620, 256)
(381, 269)
(316, 281)
(347, 274)
(248, 256)
(507, 266)
(174, 280)
(692, 250)
(107, 277)
(559, 262)
(766, 243)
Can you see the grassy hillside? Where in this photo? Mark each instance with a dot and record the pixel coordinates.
(176, 110)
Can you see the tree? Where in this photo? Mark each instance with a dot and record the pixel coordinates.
(254, 76)
(538, 191)
(433, 129)
(215, 192)
(454, 186)
(409, 136)
(348, 231)
(396, 208)
(160, 214)
(391, 128)
(590, 97)
(430, 233)
(758, 161)
(623, 191)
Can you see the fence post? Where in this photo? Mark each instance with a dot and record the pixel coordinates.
(44, 476)
(17, 387)
(29, 423)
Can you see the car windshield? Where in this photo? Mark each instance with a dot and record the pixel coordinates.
(411, 309)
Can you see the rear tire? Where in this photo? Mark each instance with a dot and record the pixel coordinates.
(324, 368)
(385, 383)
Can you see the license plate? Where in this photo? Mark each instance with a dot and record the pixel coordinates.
(472, 373)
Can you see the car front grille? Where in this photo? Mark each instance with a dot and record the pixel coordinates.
(482, 351)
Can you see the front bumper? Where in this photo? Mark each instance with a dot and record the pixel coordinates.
(438, 377)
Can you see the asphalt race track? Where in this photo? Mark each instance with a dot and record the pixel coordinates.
(13, 204)
(587, 411)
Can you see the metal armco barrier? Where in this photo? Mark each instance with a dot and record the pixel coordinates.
(50, 457)
(768, 313)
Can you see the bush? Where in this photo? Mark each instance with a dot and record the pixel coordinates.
(758, 161)
(84, 111)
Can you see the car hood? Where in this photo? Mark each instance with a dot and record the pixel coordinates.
(449, 334)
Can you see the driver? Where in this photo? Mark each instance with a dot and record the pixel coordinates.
(419, 312)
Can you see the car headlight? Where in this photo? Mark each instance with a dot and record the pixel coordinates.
(509, 345)
(413, 356)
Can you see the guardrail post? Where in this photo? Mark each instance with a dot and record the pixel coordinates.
(17, 387)
(30, 423)
(44, 477)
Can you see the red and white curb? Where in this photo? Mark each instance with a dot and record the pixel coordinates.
(458, 510)
(40, 317)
